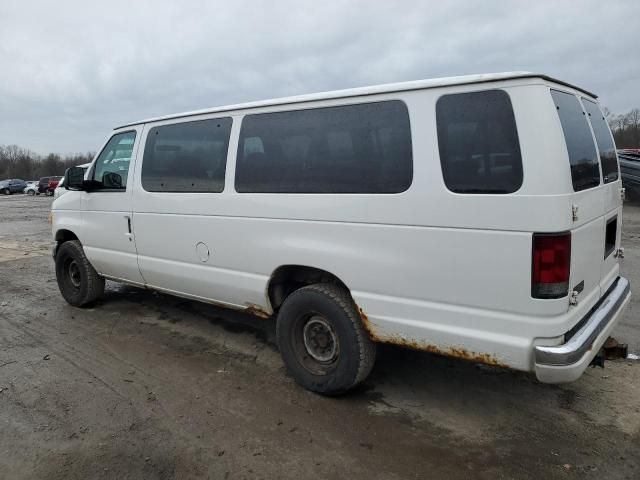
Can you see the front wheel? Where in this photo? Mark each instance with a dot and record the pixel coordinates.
(322, 340)
(6, 191)
(31, 192)
(78, 281)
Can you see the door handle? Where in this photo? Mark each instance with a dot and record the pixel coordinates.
(128, 234)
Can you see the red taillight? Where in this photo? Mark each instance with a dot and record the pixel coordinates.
(550, 265)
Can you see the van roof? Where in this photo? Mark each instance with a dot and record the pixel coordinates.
(371, 90)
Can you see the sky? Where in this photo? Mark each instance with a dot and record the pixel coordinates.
(70, 71)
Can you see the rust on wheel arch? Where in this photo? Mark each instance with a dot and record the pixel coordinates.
(257, 310)
(452, 351)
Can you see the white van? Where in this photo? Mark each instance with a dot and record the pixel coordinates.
(478, 217)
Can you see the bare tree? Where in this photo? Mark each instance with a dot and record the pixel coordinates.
(625, 128)
(18, 162)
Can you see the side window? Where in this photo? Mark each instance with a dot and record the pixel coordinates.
(478, 142)
(253, 145)
(606, 147)
(362, 148)
(583, 158)
(187, 157)
(112, 165)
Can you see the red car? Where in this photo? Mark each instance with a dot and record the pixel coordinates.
(53, 183)
(629, 151)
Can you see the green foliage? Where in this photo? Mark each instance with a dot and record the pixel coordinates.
(18, 162)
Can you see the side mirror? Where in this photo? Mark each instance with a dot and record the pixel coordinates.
(74, 178)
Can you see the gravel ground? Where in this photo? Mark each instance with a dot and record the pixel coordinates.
(145, 385)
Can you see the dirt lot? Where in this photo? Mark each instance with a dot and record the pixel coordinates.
(149, 386)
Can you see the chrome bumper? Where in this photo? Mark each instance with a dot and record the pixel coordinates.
(583, 340)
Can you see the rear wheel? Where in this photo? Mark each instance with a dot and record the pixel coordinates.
(322, 340)
(31, 192)
(6, 191)
(78, 281)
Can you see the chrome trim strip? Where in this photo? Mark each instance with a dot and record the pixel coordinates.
(582, 341)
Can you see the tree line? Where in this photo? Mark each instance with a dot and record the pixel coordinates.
(18, 162)
(625, 128)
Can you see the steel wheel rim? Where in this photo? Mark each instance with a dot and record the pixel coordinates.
(73, 272)
(320, 341)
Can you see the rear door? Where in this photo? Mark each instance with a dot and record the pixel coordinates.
(594, 202)
(612, 197)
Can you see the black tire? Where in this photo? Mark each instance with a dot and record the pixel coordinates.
(31, 192)
(78, 281)
(322, 340)
(6, 191)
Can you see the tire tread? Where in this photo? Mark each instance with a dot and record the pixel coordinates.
(365, 348)
(95, 283)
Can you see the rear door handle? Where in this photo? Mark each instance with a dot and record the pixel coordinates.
(128, 219)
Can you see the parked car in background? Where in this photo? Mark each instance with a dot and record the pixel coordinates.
(60, 190)
(43, 185)
(629, 151)
(12, 185)
(53, 184)
(630, 169)
(31, 188)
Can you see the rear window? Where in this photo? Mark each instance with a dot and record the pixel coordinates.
(478, 142)
(363, 148)
(606, 147)
(583, 158)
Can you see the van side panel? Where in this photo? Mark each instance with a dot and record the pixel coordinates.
(429, 268)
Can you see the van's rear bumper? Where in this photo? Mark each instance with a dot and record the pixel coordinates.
(566, 362)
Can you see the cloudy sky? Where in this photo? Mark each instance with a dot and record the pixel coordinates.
(72, 70)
